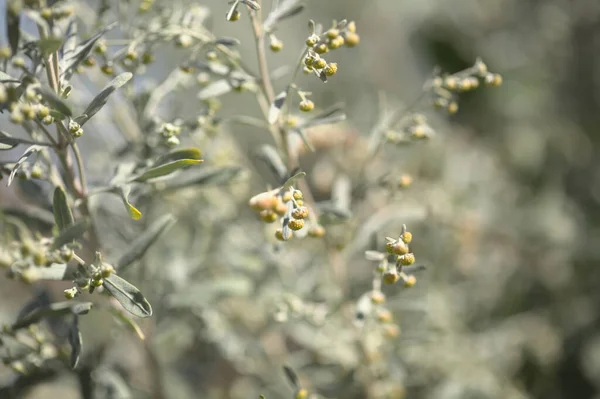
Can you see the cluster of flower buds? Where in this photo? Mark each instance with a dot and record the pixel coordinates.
(342, 33)
(447, 88)
(169, 132)
(37, 348)
(392, 270)
(287, 206)
(371, 307)
(98, 271)
(26, 260)
(25, 107)
(412, 128)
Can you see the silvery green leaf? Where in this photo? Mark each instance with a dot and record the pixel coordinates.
(62, 213)
(227, 41)
(215, 89)
(55, 272)
(413, 268)
(275, 109)
(72, 59)
(76, 341)
(129, 322)
(184, 153)
(13, 22)
(128, 295)
(232, 9)
(41, 299)
(134, 213)
(285, 9)
(7, 142)
(324, 121)
(165, 169)
(270, 155)
(55, 102)
(71, 233)
(6, 78)
(49, 45)
(28, 152)
(252, 4)
(206, 176)
(138, 248)
(100, 100)
(55, 309)
(285, 229)
(307, 143)
(291, 376)
(374, 255)
(290, 182)
(323, 76)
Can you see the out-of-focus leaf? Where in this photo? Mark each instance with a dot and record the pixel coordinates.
(13, 22)
(134, 213)
(128, 295)
(55, 102)
(100, 100)
(286, 9)
(49, 45)
(62, 213)
(71, 233)
(55, 272)
(285, 230)
(6, 78)
(129, 322)
(185, 153)
(215, 89)
(213, 290)
(28, 152)
(166, 169)
(138, 248)
(207, 176)
(374, 255)
(55, 309)
(76, 341)
(72, 59)
(275, 109)
(227, 41)
(270, 155)
(41, 300)
(232, 9)
(291, 376)
(252, 4)
(7, 142)
(305, 140)
(290, 182)
(331, 214)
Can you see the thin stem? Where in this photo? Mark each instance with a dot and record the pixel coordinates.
(79, 161)
(259, 35)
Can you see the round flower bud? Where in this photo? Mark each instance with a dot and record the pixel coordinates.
(410, 281)
(493, 79)
(331, 69)
(450, 82)
(336, 43)
(97, 283)
(301, 394)
(296, 224)
(351, 27)
(306, 106)
(3, 94)
(333, 33)
(321, 48)
(107, 69)
(320, 63)
(16, 117)
(131, 55)
(262, 201)
(316, 231)
(377, 297)
(275, 45)
(235, 16)
(183, 41)
(147, 58)
(300, 213)
(100, 47)
(186, 68)
(279, 235)
(407, 259)
(106, 270)
(66, 254)
(211, 55)
(312, 40)
(452, 108)
(391, 277)
(70, 293)
(5, 53)
(391, 331)
(440, 102)
(18, 62)
(48, 120)
(352, 39)
(42, 112)
(396, 248)
(298, 195)
(287, 196)
(46, 13)
(280, 207)
(307, 70)
(406, 237)
(97, 276)
(384, 316)
(268, 216)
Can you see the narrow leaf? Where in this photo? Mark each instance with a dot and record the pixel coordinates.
(55, 309)
(100, 100)
(227, 41)
(76, 341)
(49, 45)
(28, 152)
(270, 155)
(231, 10)
(128, 295)
(138, 248)
(214, 176)
(7, 142)
(252, 4)
(305, 140)
(275, 109)
(290, 182)
(215, 89)
(166, 169)
(291, 376)
(55, 102)
(72, 59)
(55, 272)
(71, 233)
(186, 153)
(134, 213)
(13, 22)
(129, 322)
(62, 213)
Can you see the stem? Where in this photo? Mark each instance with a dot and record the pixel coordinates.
(79, 160)
(263, 68)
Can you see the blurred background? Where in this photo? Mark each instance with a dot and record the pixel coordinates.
(503, 207)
